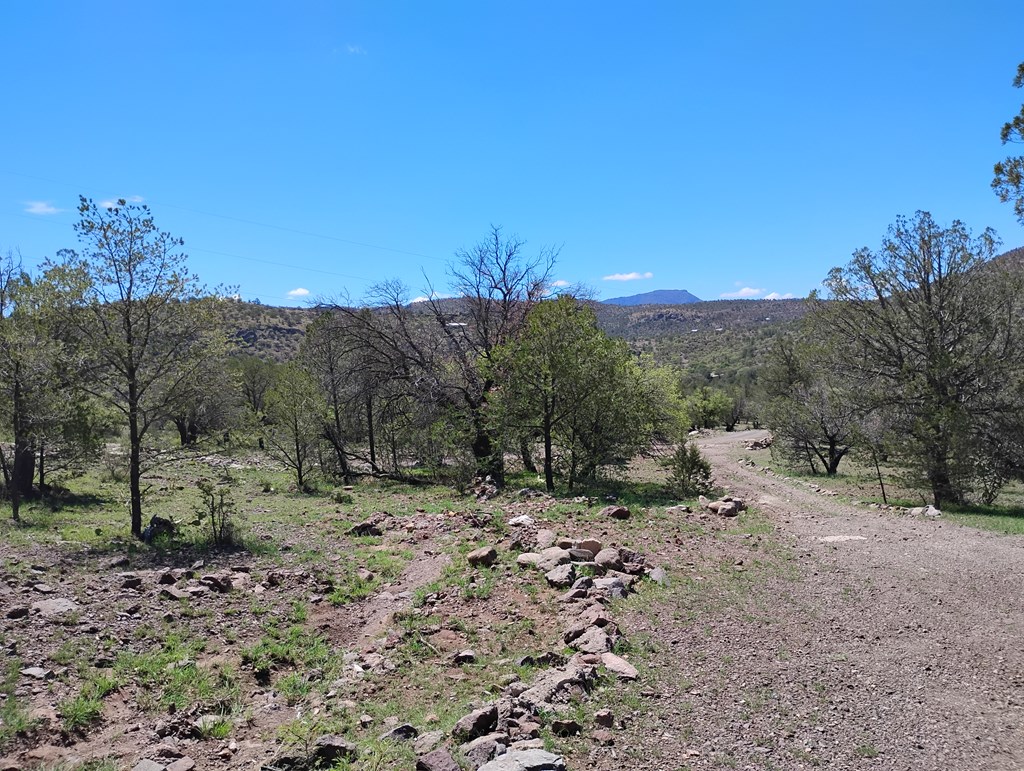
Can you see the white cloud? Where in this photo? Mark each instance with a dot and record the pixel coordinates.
(354, 50)
(435, 296)
(298, 292)
(559, 284)
(777, 296)
(111, 203)
(742, 294)
(628, 276)
(41, 207)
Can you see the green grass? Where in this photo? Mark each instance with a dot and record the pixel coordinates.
(14, 718)
(1000, 519)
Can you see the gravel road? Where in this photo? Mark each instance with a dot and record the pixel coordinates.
(898, 647)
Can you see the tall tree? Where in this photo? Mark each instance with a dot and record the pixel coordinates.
(295, 420)
(809, 406)
(581, 392)
(1009, 173)
(931, 330)
(143, 323)
(439, 349)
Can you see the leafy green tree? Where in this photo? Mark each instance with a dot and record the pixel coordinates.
(295, 412)
(1008, 182)
(929, 330)
(581, 392)
(709, 407)
(142, 324)
(809, 407)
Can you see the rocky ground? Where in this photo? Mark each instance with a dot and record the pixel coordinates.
(525, 632)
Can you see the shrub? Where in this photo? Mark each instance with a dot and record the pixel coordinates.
(689, 472)
(217, 510)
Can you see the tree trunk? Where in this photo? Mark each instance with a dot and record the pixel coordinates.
(134, 456)
(370, 434)
(488, 463)
(24, 467)
(527, 456)
(549, 471)
(42, 467)
(12, 489)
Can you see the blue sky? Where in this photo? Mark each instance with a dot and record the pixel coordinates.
(716, 147)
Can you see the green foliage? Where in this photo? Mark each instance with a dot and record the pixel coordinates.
(689, 472)
(295, 413)
(14, 717)
(1008, 182)
(929, 332)
(140, 324)
(583, 394)
(216, 511)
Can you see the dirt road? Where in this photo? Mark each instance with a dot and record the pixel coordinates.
(898, 647)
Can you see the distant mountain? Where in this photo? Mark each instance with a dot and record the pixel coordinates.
(657, 297)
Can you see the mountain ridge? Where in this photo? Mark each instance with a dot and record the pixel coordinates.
(657, 297)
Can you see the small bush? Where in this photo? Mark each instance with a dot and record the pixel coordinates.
(217, 510)
(689, 472)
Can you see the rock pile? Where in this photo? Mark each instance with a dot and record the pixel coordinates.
(726, 506)
(504, 735)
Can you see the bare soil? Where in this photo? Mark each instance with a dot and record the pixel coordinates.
(898, 648)
(805, 633)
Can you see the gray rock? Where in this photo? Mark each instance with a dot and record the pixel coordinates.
(614, 588)
(54, 607)
(401, 733)
(609, 559)
(604, 718)
(581, 555)
(523, 520)
(483, 748)
(170, 593)
(659, 576)
(594, 640)
(554, 684)
(545, 538)
(328, 750)
(467, 656)
(615, 512)
(528, 559)
(591, 544)
(438, 760)
(476, 723)
(619, 667)
(19, 612)
(551, 558)
(561, 577)
(526, 760)
(486, 557)
(182, 764)
(148, 765)
(427, 742)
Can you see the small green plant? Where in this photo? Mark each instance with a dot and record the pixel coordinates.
(217, 510)
(79, 712)
(294, 687)
(689, 472)
(341, 497)
(866, 751)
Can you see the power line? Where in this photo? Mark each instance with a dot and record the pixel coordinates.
(271, 226)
